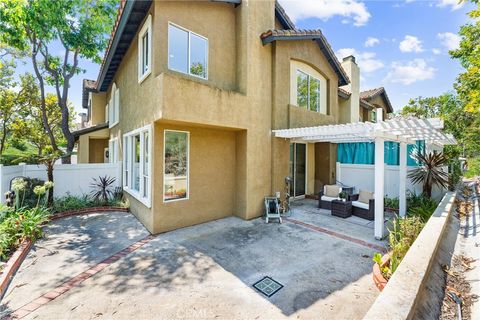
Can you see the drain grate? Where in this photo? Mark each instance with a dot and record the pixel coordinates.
(267, 286)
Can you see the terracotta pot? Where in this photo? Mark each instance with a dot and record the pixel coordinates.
(378, 279)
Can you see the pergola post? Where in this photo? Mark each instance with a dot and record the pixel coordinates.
(402, 192)
(379, 186)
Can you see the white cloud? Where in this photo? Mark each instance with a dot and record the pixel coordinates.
(449, 40)
(410, 72)
(410, 44)
(371, 41)
(352, 10)
(366, 60)
(454, 4)
(436, 51)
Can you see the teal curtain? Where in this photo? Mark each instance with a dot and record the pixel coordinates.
(364, 153)
(392, 153)
(420, 146)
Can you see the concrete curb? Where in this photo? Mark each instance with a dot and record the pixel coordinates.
(83, 211)
(13, 264)
(400, 295)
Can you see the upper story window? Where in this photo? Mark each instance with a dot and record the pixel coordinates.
(308, 87)
(187, 52)
(145, 50)
(308, 91)
(114, 106)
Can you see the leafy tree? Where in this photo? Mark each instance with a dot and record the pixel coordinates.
(36, 26)
(13, 104)
(468, 82)
(463, 125)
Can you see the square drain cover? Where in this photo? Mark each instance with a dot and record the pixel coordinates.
(267, 286)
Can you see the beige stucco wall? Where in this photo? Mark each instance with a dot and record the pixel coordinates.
(379, 102)
(287, 115)
(212, 180)
(230, 115)
(97, 115)
(84, 149)
(97, 148)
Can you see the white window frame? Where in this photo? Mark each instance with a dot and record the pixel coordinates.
(114, 107)
(146, 28)
(128, 164)
(188, 165)
(113, 150)
(189, 51)
(308, 91)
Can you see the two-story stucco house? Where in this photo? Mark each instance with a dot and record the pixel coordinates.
(188, 95)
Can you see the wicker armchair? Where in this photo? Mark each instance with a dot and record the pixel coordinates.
(362, 210)
(325, 202)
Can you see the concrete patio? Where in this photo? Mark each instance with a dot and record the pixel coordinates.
(205, 271)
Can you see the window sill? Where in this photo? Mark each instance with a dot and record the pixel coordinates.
(143, 77)
(175, 200)
(136, 195)
(305, 109)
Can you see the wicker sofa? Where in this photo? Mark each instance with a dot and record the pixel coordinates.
(361, 209)
(324, 201)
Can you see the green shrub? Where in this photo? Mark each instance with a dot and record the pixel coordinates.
(420, 206)
(473, 165)
(19, 225)
(401, 238)
(72, 203)
(392, 203)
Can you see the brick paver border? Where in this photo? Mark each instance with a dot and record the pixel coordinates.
(13, 264)
(75, 281)
(337, 235)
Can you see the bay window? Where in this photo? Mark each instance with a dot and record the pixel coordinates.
(176, 165)
(137, 164)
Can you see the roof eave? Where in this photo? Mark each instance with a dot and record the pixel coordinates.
(127, 10)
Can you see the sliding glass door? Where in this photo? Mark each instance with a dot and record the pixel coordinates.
(298, 169)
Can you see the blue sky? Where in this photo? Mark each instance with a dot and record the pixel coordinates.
(409, 40)
(407, 52)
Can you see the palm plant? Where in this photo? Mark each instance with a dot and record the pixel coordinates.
(102, 189)
(429, 171)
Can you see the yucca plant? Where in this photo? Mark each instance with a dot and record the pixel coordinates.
(429, 171)
(103, 189)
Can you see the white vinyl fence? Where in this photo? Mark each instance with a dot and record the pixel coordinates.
(362, 176)
(73, 179)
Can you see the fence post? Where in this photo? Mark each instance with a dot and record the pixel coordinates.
(339, 172)
(24, 168)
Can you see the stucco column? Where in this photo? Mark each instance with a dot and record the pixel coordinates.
(402, 192)
(379, 186)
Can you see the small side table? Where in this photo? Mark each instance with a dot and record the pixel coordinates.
(342, 209)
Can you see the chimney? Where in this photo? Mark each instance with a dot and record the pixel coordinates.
(353, 72)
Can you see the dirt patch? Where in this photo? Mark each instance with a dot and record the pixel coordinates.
(458, 286)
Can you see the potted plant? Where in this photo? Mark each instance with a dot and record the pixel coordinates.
(343, 196)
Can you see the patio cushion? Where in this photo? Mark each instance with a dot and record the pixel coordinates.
(365, 196)
(327, 198)
(359, 204)
(332, 190)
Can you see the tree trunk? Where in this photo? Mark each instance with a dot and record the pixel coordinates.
(67, 159)
(2, 142)
(46, 125)
(50, 165)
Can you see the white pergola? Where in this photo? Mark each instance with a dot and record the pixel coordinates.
(404, 130)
